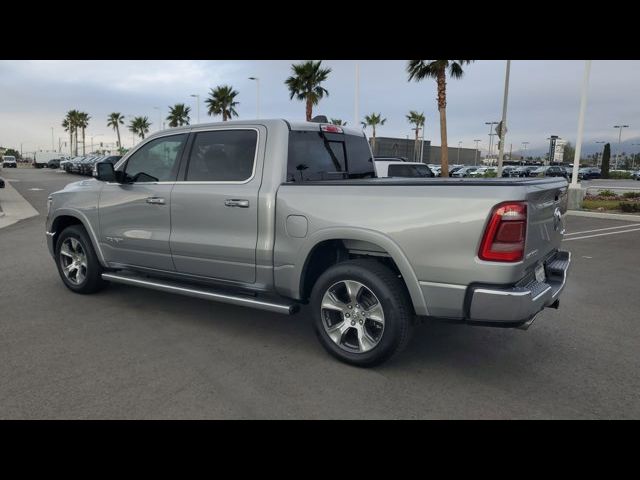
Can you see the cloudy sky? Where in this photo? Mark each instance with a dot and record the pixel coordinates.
(544, 97)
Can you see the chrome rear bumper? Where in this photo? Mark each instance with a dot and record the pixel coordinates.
(519, 304)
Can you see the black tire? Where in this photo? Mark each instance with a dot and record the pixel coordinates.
(92, 281)
(391, 293)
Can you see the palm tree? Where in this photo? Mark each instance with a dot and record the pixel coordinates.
(139, 126)
(371, 121)
(73, 121)
(339, 122)
(67, 124)
(437, 69)
(305, 84)
(222, 102)
(114, 120)
(83, 123)
(178, 115)
(418, 120)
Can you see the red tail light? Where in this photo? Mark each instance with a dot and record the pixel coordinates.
(331, 129)
(504, 237)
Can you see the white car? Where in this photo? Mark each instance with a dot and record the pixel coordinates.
(9, 161)
(392, 168)
(464, 172)
(482, 170)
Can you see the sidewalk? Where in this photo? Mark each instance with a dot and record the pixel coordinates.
(13, 207)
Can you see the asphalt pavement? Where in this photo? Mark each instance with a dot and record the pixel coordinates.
(133, 353)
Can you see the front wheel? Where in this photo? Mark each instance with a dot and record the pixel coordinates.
(362, 312)
(77, 262)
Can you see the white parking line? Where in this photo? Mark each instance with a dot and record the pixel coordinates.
(602, 234)
(603, 229)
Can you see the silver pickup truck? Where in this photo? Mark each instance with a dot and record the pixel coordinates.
(272, 214)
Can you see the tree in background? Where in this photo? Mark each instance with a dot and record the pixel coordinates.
(606, 157)
(222, 102)
(83, 123)
(437, 69)
(139, 126)
(569, 152)
(372, 121)
(12, 152)
(114, 120)
(68, 127)
(178, 115)
(418, 120)
(339, 122)
(305, 84)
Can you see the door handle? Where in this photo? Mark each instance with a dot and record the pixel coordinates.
(156, 200)
(234, 202)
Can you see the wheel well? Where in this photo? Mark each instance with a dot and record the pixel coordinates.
(62, 222)
(330, 252)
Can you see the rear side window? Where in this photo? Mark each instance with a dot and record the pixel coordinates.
(314, 156)
(409, 171)
(222, 156)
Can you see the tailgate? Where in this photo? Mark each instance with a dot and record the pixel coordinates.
(547, 204)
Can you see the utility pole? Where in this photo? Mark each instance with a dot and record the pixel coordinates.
(503, 123)
(475, 157)
(619, 141)
(491, 134)
(575, 199)
(524, 144)
(356, 103)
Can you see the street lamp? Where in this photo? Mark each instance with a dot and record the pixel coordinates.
(459, 143)
(53, 148)
(619, 141)
(92, 137)
(197, 104)
(475, 157)
(524, 146)
(598, 155)
(257, 80)
(633, 157)
(491, 134)
(159, 118)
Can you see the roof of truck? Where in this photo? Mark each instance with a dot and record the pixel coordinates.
(269, 122)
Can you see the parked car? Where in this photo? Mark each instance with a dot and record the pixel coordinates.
(54, 163)
(402, 169)
(9, 161)
(271, 214)
(589, 173)
(524, 171)
(506, 170)
(86, 166)
(481, 171)
(548, 171)
(463, 172)
(636, 175)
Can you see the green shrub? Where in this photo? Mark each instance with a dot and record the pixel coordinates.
(619, 175)
(631, 194)
(490, 174)
(630, 207)
(607, 193)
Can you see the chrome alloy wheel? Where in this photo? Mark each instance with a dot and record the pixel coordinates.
(73, 260)
(352, 316)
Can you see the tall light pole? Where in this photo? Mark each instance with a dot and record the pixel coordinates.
(53, 148)
(257, 80)
(524, 145)
(583, 109)
(356, 102)
(159, 118)
(459, 143)
(197, 97)
(503, 123)
(491, 134)
(619, 141)
(92, 137)
(475, 158)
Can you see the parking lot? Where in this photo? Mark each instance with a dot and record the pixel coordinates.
(134, 353)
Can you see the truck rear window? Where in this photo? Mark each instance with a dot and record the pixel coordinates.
(315, 155)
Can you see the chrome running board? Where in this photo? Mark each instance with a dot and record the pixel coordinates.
(201, 292)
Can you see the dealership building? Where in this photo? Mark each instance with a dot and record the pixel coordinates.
(403, 147)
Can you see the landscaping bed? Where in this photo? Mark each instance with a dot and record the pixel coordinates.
(609, 201)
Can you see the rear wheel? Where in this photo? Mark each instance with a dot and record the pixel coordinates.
(362, 312)
(77, 262)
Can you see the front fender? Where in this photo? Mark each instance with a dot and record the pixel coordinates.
(81, 216)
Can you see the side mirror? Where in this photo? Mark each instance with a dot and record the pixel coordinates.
(104, 172)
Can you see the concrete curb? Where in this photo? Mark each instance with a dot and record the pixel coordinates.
(14, 206)
(611, 216)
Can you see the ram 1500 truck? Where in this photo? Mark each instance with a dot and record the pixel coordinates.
(272, 214)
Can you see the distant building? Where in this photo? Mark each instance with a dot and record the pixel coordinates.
(403, 147)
